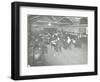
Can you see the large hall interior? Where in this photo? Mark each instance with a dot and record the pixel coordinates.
(57, 40)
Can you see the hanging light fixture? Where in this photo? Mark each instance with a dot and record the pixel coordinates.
(49, 24)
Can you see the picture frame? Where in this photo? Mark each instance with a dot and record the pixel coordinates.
(23, 12)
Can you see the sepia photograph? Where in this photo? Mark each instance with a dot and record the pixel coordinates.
(57, 40)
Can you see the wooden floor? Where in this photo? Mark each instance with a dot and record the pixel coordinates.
(73, 56)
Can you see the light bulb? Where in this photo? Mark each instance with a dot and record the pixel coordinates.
(49, 24)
